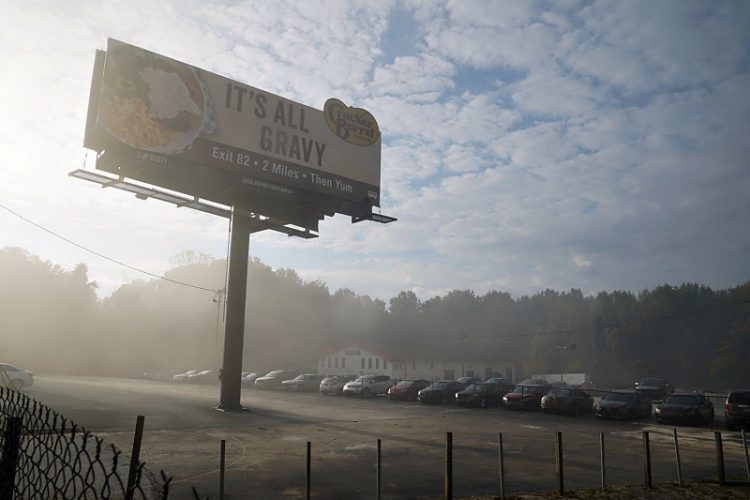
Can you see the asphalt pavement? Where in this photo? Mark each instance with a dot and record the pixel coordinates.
(266, 446)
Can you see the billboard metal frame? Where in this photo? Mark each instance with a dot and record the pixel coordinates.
(251, 203)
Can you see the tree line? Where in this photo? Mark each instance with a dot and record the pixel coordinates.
(52, 321)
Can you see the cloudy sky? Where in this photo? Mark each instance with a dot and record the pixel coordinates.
(526, 145)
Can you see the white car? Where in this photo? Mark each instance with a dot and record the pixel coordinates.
(368, 385)
(183, 377)
(15, 377)
(334, 386)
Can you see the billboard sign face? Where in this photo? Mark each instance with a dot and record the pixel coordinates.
(160, 118)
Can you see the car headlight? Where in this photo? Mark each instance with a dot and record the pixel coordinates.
(505, 399)
(657, 410)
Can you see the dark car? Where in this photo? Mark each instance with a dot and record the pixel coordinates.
(685, 408)
(737, 410)
(526, 395)
(406, 390)
(503, 385)
(440, 392)
(467, 381)
(479, 395)
(273, 380)
(625, 404)
(307, 382)
(567, 399)
(654, 388)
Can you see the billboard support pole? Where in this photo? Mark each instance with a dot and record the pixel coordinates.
(234, 329)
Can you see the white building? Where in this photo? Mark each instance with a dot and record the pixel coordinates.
(354, 359)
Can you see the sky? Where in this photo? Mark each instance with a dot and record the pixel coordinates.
(525, 145)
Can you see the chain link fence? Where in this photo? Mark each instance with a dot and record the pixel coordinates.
(46, 456)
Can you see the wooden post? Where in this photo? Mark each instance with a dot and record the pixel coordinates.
(135, 458)
(378, 478)
(307, 476)
(448, 480)
(559, 464)
(646, 462)
(9, 459)
(677, 458)
(604, 467)
(747, 459)
(719, 457)
(502, 464)
(222, 463)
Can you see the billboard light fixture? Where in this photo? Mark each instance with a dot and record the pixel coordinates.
(383, 219)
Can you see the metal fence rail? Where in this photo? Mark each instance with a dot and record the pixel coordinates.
(46, 456)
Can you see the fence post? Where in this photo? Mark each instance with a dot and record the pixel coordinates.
(604, 467)
(135, 458)
(222, 463)
(719, 457)
(559, 463)
(378, 478)
(448, 481)
(9, 460)
(502, 464)
(677, 458)
(646, 461)
(307, 474)
(747, 459)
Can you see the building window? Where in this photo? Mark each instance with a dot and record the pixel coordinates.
(385, 364)
(413, 365)
(363, 363)
(336, 362)
(322, 362)
(343, 362)
(369, 363)
(377, 363)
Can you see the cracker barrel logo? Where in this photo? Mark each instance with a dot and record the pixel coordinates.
(354, 125)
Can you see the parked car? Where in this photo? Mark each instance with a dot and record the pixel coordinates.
(406, 390)
(273, 379)
(467, 381)
(526, 395)
(334, 385)
(368, 385)
(306, 382)
(503, 385)
(624, 403)
(480, 395)
(202, 377)
(16, 377)
(685, 408)
(737, 410)
(567, 399)
(249, 378)
(183, 377)
(440, 392)
(654, 388)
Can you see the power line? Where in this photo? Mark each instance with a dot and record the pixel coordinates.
(82, 247)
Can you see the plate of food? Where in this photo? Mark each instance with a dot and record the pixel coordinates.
(152, 103)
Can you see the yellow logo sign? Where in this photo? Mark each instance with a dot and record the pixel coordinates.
(354, 125)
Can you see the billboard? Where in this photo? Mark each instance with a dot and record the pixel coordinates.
(165, 122)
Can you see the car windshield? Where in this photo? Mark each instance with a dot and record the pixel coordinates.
(681, 399)
(274, 373)
(363, 379)
(9, 368)
(622, 397)
(740, 398)
(475, 388)
(566, 393)
(438, 386)
(525, 389)
(405, 384)
(651, 382)
(300, 377)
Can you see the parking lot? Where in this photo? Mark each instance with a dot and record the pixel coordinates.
(266, 446)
